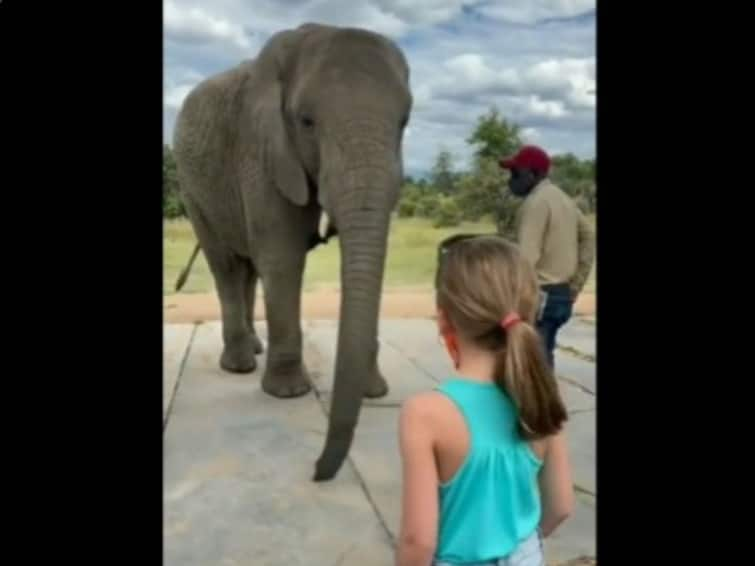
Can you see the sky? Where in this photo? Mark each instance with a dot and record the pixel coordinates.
(533, 59)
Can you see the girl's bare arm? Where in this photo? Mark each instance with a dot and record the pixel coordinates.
(419, 514)
(556, 489)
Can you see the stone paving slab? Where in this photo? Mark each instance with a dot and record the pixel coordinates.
(575, 398)
(176, 340)
(576, 536)
(237, 477)
(404, 377)
(580, 435)
(412, 361)
(376, 456)
(238, 463)
(418, 340)
(578, 335)
(576, 370)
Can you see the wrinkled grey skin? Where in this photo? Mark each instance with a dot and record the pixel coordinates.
(313, 125)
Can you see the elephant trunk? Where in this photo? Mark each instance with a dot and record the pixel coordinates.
(362, 218)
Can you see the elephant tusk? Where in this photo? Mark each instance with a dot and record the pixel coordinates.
(322, 230)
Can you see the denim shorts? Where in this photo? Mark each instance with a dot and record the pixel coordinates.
(528, 553)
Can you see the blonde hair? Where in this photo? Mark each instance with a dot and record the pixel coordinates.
(480, 281)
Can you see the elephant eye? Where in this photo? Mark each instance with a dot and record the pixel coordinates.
(404, 122)
(307, 122)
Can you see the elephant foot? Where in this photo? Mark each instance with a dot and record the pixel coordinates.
(257, 346)
(377, 387)
(239, 358)
(287, 384)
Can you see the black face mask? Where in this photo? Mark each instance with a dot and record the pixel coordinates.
(522, 181)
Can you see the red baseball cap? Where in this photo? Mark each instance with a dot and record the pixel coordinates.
(529, 157)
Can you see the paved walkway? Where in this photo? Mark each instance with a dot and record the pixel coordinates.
(238, 463)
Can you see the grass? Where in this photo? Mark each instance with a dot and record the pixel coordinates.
(178, 243)
(410, 262)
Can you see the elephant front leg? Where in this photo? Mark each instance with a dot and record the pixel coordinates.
(285, 375)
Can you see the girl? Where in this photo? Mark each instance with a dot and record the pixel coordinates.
(485, 467)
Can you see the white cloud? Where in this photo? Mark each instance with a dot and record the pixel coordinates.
(541, 76)
(192, 24)
(533, 11)
(357, 13)
(178, 84)
(544, 108)
(174, 97)
(186, 75)
(421, 96)
(423, 12)
(569, 80)
(530, 135)
(573, 78)
(233, 20)
(470, 67)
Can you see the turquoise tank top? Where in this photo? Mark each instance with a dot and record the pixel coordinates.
(493, 502)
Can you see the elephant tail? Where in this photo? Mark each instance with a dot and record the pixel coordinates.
(185, 272)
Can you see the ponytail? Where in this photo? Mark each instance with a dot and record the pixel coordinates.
(524, 374)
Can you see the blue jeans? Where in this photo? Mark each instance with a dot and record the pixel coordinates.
(528, 553)
(555, 311)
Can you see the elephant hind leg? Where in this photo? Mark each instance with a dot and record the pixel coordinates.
(231, 274)
(376, 385)
(251, 295)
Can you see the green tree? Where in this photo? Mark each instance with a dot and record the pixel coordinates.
(410, 196)
(483, 190)
(427, 205)
(172, 205)
(411, 192)
(494, 136)
(406, 208)
(577, 178)
(448, 213)
(442, 176)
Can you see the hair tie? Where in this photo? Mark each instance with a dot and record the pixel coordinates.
(510, 320)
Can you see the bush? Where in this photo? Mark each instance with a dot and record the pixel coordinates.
(506, 217)
(411, 194)
(448, 214)
(427, 206)
(406, 208)
(583, 203)
(172, 206)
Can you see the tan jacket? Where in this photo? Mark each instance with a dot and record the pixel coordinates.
(556, 237)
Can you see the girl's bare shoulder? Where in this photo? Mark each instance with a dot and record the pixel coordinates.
(427, 406)
(425, 401)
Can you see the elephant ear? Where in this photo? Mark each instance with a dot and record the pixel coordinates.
(279, 156)
(280, 159)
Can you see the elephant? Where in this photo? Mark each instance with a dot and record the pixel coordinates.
(306, 136)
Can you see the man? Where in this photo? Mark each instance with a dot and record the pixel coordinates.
(554, 236)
